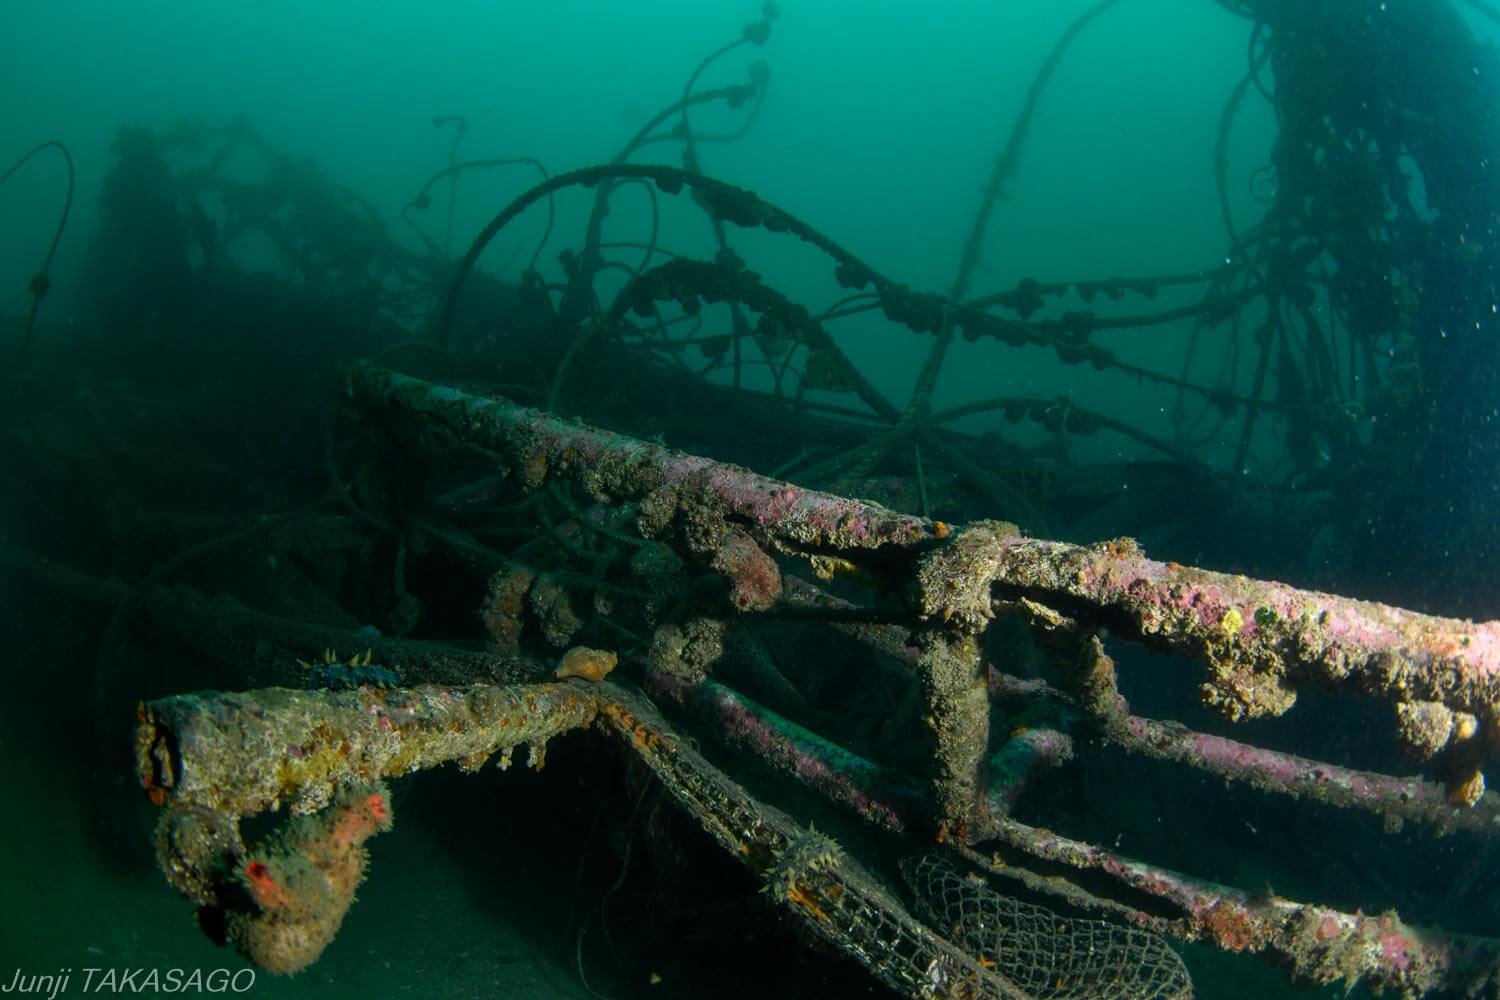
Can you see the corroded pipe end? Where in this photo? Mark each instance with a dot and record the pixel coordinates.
(157, 762)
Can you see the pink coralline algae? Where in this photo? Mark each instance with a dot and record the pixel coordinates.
(754, 578)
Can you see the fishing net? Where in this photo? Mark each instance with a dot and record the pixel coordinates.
(1046, 955)
(984, 945)
(830, 893)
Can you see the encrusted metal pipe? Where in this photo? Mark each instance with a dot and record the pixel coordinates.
(239, 754)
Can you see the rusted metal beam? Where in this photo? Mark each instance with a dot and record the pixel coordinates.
(239, 754)
(1260, 640)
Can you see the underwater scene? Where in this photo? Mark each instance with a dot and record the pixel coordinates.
(794, 499)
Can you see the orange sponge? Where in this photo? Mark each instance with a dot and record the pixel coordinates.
(302, 881)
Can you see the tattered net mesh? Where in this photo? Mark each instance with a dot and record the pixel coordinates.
(825, 889)
(973, 944)
(1046, 955)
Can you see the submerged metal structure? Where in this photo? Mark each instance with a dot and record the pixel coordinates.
(931, 591)
(503, 548)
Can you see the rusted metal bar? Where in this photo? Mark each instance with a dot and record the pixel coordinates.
(1396, 798)
(950, 670)
(239, 754)
(614, 467)
(1077, 653)
(895, 641)
(832, 895)
(1013, 767)
(1409, 798)
(1319, 944)
(1260, 640)
(877, 795)
(1404, 798)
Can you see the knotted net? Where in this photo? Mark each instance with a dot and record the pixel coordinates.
(1046, 955)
